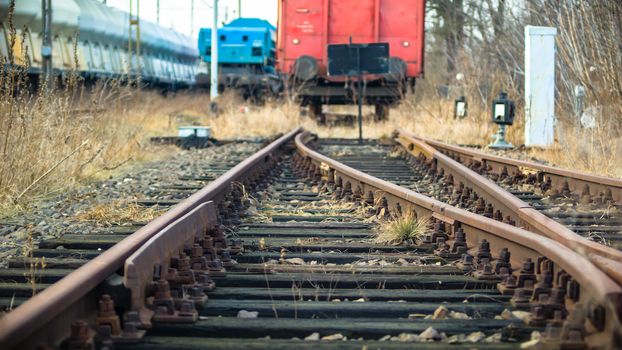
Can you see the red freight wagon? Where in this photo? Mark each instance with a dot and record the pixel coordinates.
(306, 27)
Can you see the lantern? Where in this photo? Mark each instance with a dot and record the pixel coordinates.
(503, 115)
(460, 107)
(503, 110)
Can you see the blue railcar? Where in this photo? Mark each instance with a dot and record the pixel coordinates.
(246, 56)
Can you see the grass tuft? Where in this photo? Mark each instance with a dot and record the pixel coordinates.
(405, 228)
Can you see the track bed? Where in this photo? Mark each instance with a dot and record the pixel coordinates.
(303, 277)
(282, 251)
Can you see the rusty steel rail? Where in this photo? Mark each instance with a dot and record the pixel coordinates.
(158, 251)
(524, 215)
(576, 180)
(592, 295)
(47, 316)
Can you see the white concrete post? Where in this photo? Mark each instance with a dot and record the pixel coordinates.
(539, 86)
(214, 66)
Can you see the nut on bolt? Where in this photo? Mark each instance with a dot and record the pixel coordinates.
(81, 337)
(107, 315)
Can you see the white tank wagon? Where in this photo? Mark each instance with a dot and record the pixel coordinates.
(167, 58)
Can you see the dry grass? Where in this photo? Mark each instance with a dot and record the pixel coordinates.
(50, 142)
(587, 53)
(426, 113)
(405, 228)
(35, 267)
(119, 212)
(303, 208)
(55, 142)
(239, 119)
(595, 150)
(77, 147)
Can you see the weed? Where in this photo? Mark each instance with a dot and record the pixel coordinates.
(35, 265)
(119, 212)
(405, 228)
(599, 238)
(274, 309)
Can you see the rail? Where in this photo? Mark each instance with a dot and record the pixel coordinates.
(525, 216)
(599, 296)
(576, 180)
(47, 316)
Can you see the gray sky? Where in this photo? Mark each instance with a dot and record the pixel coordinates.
(176, 14)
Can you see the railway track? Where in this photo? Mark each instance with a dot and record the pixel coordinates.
(588, 205)
(316, 260)
(298, 225)
(54, 258)
(443, 179)
(563, 205)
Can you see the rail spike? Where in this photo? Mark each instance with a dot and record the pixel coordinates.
(346, 194)
(382, 209)
(369, 203)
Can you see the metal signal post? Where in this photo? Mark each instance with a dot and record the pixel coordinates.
(133, 46)
(214, 64)
(359, 86)
(46, 45)
(191, 17)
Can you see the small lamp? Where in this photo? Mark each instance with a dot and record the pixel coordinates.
(460, 107)
(503, 115)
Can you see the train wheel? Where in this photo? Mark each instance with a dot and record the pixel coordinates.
(412, 85)
(315, 109)
(258, 97)
(382, 112)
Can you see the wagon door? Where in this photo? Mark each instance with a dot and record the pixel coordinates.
(353, 18)
(301, 31)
